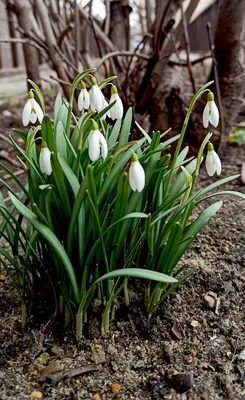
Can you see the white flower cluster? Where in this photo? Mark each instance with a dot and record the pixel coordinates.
(97, 145)
(94, 99)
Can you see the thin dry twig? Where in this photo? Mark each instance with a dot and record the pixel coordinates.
(60, 80)
(122, 54)
(55, 378)
(108, 17)
(77, 33)
(188, 49)
(64, 33)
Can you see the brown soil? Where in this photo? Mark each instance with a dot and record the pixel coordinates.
(145, 358)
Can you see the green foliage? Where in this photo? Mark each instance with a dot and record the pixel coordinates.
(82, 232)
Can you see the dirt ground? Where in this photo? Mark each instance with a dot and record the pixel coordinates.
(146, 359)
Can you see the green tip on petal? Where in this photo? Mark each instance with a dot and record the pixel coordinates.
(210, 96)
(44, 144)
(134, 157)
(83, 85)
(31, 95)
(95, 126)
(210, 146)
(113, 89)
(93, 81)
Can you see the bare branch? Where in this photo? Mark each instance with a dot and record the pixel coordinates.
(122, 54)
(63, 34)
(108, 17)
(187, 45)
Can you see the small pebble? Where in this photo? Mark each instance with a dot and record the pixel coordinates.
(210, 299)
(96, 397)
(182, 382)
(194, 323)
(36, 395)
(115, 388)
(242, 355)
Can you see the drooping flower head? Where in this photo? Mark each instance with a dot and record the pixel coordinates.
(32, 111)
(213, 163)
(83, 98)
(97, 100)
(210, 112)
(136, 174)
(97, 144)
(45, 159)
(116, 112)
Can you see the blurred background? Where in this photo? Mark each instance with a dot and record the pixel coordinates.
(161, 51)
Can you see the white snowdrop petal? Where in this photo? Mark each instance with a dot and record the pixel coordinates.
(96, 98)
(205, 116)
(116, 112)
(80, 101)
(131, 178)
(94, 146)
(85, 99)
(214, 114)
(38, 110)
(119, 109)
(136, 176)
(140, 174)
(26, 113)
(103, 144)
(45, 161)
(217, 163)
(210, 166)
(33, 117)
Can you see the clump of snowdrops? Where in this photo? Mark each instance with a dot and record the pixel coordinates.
(99, 208)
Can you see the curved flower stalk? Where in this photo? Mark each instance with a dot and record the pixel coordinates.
(116, 112)
(97, 99)
(210, 112)
(83, 98)
(32, 111)
(97, 144)
(45, 159)
(213, 163)
(136, 174)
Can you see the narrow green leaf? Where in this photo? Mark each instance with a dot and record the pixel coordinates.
(52, 240)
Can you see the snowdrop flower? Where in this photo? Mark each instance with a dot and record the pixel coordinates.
(210, 112)
(97, 100)
(32, 111)
(97, 144)
(213, 163)
(83, 98)
(45, 159)
(136, 174)
(116, 112)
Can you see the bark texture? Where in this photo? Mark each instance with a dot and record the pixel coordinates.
(230, 55)
(22, 9)
(119, 24)
(51, 43)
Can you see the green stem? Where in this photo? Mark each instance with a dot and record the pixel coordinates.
(182, 133)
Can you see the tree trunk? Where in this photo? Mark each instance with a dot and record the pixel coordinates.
(230, 55)
(23, 12)
(12, 32)
(119, 24)
(51, 44)
(166, 105)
